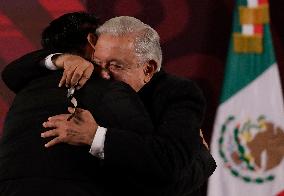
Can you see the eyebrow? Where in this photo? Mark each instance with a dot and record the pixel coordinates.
(116, 61)
(97, 60)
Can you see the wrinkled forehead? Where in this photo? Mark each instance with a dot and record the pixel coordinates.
(114, 45)
(125, 39)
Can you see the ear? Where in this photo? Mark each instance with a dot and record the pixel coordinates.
(92, 39)
(149, 70)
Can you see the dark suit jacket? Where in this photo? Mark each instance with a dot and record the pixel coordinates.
(28, 168)
(176, 106)
(173, 155)
(168, 160)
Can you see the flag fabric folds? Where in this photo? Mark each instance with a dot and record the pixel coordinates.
(248, 137)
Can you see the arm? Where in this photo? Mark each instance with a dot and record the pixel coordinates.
(171, 154)
(20, 72)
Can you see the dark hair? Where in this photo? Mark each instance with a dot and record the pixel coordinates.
(68, 33)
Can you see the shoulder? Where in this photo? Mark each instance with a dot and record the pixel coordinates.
(175, 93)
(178, 82)
(178, 87)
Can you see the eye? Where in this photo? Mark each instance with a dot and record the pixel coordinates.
(95, 61)
(114, 65)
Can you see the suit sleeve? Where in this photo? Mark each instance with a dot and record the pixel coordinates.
(20, 72)
(172, 153)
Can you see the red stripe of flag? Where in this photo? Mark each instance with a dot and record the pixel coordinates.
(281, 194)
(258, 29)
(262, 2)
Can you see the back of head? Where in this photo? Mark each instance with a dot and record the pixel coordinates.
(68, 33)
(146, 39)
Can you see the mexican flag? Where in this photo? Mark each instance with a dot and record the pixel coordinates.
(248, 138)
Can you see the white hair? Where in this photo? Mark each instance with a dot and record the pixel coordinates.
(147, 41)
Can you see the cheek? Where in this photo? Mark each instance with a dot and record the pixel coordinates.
(122, 76)
(117, 75)
(102, 65)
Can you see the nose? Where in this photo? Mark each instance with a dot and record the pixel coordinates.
(107, 67)
(101, 64)
(105, 70)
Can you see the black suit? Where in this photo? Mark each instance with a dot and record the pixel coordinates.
(176, 107)
(28, 168)
(168, 160)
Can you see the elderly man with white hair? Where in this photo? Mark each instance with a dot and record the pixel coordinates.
(171, 160)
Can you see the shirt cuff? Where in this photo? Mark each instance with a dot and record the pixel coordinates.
(97, 147)
(48, 62)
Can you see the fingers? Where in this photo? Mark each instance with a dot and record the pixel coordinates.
(74, 68)
(78, 110)
(77, 75)
(85, 75)
(81, 115)
(59, 117)
(56, 121)
(59, 132)
(50, 133)
(53, 142)
(78, 131)
(71, 110)
(80, 72)
(69, 75)
(63, 79)
(82, 82)
(51, 124)
(77, 117)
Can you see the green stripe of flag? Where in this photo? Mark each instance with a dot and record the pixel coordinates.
(241, 69)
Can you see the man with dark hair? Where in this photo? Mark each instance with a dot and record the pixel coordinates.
(72, 33)
(69, 32)
(26, 166)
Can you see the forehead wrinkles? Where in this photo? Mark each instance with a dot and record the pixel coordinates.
(111, 47)
(115, 42)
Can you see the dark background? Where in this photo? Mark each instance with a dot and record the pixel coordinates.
(194, 33)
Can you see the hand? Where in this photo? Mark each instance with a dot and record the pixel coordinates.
(80, 130)
(77, 70)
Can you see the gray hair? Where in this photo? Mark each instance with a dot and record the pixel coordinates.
(147, 41)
